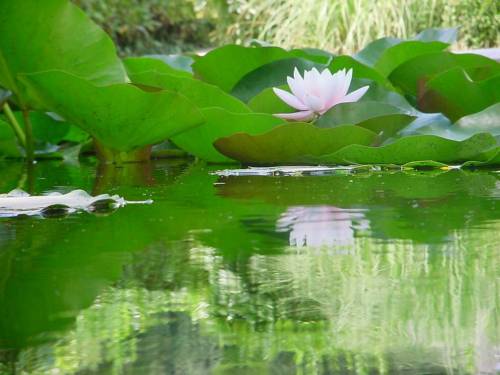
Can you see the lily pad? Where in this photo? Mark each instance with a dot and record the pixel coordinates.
(178, 62)
(53, 34)
(486, 121)
(414, 148)
(227, 65)
(221, 123)
(353, 113)
(120, 116)
(374, 50)
(270, 75)
(360, 70)
(394, 56)
(456, 95)
(293, 143)
(200, 93)
(136, 65)
(415, 72)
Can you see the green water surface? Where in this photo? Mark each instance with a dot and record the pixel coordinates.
(365, 273)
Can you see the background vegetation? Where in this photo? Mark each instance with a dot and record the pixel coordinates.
(170, 26)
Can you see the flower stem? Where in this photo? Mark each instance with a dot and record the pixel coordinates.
(30, 152)
(14, 124)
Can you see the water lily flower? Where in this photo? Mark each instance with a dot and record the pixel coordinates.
(316, 93)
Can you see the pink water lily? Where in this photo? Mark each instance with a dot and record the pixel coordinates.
(316, 93)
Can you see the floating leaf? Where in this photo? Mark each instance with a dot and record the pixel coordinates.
(414, 148)
(353, 113)
(178, 62)
(137, 65)
(200, 93)
(270, 75)
(268, 102)
(360, 70)
(415, 72)
(456, 95)
(374, 50)
(221, 123)
(394, 56)
(227, 65)
(291, 143)
(53, 34)
(120, 116)
(486, 121)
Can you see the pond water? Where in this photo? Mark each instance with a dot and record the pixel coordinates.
(350, 273)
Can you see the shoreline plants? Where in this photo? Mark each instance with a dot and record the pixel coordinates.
(63, 85)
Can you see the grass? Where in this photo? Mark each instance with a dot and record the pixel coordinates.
(346, 26)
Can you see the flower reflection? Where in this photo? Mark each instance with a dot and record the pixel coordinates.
(317, 226)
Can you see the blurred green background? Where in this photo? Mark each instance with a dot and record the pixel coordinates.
(341, 26)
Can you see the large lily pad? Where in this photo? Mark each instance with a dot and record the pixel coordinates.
(415, 72)
(456, 95)
(178, 62)
(221, 123)
(353, 113)
(270, 75)
(136, 65)
(414, 148)
(360, 70)
(398, 54)
(486, 121)
(120, 116)
(8, 142)
(292, 143)
(53, 34)
(200, 93)
(374, 50)
(227, 65)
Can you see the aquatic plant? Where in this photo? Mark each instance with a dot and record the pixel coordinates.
(220, 107)
(316, 93)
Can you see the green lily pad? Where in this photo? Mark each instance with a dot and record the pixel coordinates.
(120, 116)
(360, 70)
(374, 50)
(137, 65)
(414, 148)
(291, 143)
(221, 123)
(178, 62)
(200, 93)
(53, 34)
(227, 65)
(270, 75)
(486, 121)
(456, 95)
(413, 73)
(396, 55)
(353, 113)
(268, 102)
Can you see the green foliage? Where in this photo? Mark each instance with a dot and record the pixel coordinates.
(53, 34)
(347, 26)
(152, 26)
(121, 116)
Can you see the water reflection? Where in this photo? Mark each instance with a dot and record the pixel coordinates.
(347, 274)
(318, 226)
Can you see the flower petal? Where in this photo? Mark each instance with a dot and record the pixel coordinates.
(296, 85)
(314, 102)
(355, 95)
(297, 116)
(290, 99)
